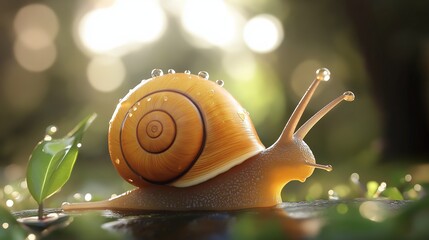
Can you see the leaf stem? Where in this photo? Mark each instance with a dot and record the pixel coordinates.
(40, 211)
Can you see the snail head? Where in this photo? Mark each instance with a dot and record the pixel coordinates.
(299, 157)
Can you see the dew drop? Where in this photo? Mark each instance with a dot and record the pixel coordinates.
(165, 98)
(134, 108)
(138, 103)
(79, 145)
(417, 187)
(120, 100)
(47, 138)
(77, 196)
(332, 195)
(220, 82)
(157, 72)
(117, 161)
(187, 72)
(323, 74)
(349, 96)
(10, 203)
(382, 187)
(51, 130)
(130, 115)
(88, 197)
(203, 74)
(31, 236)
(148, 99)
(171, 71)
(354, 178)
(408, 178)
(65, 204)
(212, 91)
(5, 225)
(130, 180)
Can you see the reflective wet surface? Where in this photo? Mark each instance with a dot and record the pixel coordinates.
(286, 221)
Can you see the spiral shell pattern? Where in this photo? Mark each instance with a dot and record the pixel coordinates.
(179, 129)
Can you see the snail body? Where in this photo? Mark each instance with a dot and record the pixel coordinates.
(187, 144)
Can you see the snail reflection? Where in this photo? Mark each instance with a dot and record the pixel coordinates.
(264, 222)
(187, 144)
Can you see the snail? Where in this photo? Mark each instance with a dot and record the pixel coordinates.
(187, 144)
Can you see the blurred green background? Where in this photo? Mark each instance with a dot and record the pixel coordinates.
(62, 60)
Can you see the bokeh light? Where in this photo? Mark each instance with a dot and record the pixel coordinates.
(122, 27)
(10, 203)
(302, 76)
(36, 27)
(263, 33)
(5, 225)
(211, 22)
(106, 73)
(373, 211)
(35, 60)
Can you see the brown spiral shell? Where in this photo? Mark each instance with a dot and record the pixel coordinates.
(179, 129)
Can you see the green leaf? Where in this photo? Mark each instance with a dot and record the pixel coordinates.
(393, 194)
(52, 161)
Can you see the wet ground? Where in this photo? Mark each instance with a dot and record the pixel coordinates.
(301, 220)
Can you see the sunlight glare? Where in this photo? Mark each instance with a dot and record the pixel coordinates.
(125, 25)
(263, 33)
(212, 21)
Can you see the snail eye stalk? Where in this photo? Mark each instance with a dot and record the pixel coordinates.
(322, 74)
(305, 128)
(320, 166)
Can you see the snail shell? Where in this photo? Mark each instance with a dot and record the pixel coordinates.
(167, 130)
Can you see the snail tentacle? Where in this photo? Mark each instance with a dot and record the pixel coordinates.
(305, 128)
(322, 74)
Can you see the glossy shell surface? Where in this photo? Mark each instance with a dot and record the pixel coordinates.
(179, 129)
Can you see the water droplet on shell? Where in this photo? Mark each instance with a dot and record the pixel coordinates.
(157, 72)
(220, 82)
(203, 74)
